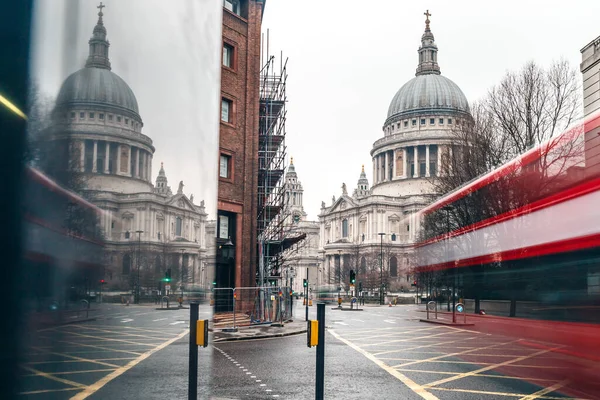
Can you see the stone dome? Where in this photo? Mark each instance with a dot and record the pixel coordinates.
(427, 94)
(97, 87)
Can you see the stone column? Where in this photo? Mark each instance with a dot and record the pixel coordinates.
(137, 162)
(404, 162)
(95, 160)
(149, 177)
(82, 156)
(427, 161)
(107, 158)
(129, 171)
(416, 162)
(374, 171)
(118, 169)
(385, 166)
(439, 160)
(394, 164)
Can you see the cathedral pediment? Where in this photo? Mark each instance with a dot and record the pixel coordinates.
(181, 201)
(342, 204)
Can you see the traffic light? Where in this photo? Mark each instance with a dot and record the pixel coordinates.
(352, 277)
(102, 281)
(360, 286)
(305, 283)
(168, 275)
(414, 283)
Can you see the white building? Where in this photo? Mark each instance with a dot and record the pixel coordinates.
(590, 70)
(355, 230)
(97, 124)
(301, 261)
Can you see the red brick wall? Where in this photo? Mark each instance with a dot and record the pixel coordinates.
(240, 137)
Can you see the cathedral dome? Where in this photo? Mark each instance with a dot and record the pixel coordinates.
(97, 87)
(427, 93)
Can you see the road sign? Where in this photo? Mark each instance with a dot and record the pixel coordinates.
(460, 308)
(354, 299)
(167, 287)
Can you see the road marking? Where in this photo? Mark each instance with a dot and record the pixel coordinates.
(542, 392)
(49, 391)
(412, 385)
(78, 372)
(127, 320)
(52, 377)
(100, 338)
(93, 388)
(108, 349)
(389, 321)
(160, 319)
(493, 366)
(80, 359)
(340, 323)
(359, 320)
(177, 322)
(500, 393)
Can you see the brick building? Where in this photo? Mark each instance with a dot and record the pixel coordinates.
(238, 145)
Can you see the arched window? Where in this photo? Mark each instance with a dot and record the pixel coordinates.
(363, 265)
(345, 228)
(126, 264)
(393, 267)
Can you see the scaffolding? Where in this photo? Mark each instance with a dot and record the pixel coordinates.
(271, 168)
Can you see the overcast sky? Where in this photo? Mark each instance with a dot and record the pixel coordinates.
(348, 58)
(169, 54)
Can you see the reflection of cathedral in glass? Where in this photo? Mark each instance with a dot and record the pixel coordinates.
(417, 134)
(96, 120)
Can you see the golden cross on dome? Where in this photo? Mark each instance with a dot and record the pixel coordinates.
(427, 15)
(292, 161)
(363, 168)
(101, 6)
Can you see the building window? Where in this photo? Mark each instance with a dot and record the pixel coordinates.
(226, 110)
(405, 124)
(127, 234)
(101, 116)
(422, 121)
(91, 115)
(441, 121)
(110, 117)
(73, 115)
(449, 121)
(232, 5)
(82, 115)
(414, 122)
(178, 224)
(345, 228)
(224, 166)
(118, 119)
(393, 267)
(431, 121)
(228, 55)
(126, 121)
(432, 169)
(422, 169)
(126, 264)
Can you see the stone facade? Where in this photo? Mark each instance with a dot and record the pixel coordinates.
(302, 260)
(379, 222)
(238, 146)
(147, 228)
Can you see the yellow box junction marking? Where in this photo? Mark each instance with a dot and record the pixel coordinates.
(412, 385)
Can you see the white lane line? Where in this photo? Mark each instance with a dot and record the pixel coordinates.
(340, 323)
(412, 385)
(127, 320)
(160, 319)
(359, 320)
(177, 322)
(389, 321)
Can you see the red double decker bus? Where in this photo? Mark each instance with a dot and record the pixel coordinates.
(64, 244)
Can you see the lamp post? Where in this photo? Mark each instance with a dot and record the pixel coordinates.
(381, 271)
(339, 275)
(447, 209)
(181, 283)
(137, 291)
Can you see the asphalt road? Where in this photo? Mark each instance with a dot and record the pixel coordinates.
(139, 352)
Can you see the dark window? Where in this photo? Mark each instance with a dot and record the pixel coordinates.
(110, 117)
(73, 115)
(345, 228)
(126, 264)
(414, 122)
(126, 121)
(422, 121)
(178, 226)
(431, 121)
(127, 234)
(82, 115)
(225, 166)
(422, 169)
(91, 115)
(449, 121)
(226, 107)
(405, 124)
(101, 116)
(393, 267)
(441, 121)
(228, 55)
(233, 6)
(118, 119)
(432, 169)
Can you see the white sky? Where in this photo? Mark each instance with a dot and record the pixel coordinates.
(348, 58)
(170, 55)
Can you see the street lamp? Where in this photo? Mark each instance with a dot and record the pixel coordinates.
(339, 276)
(181, 284)
(381, 271)
(447, 210)
(137, 300)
